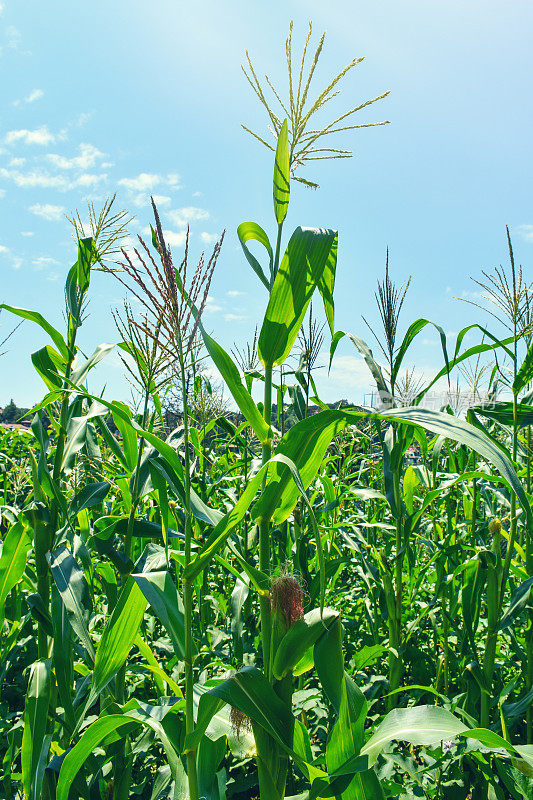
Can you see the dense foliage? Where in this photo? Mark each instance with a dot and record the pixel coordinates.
(285, 603)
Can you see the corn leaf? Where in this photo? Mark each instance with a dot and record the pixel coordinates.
(282, 176)
(309, 262)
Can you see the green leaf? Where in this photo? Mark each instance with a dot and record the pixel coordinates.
(86, 251)
(135, 714)
(50, 365)
(232, 379)
(422, 725)
(35, 720)
(460, 431)
(160, 591)
(91, 495)
(282, 176)
(314, 434)
(517, 604)
(373, 366)
(525, 373)
(502, 411)
(413, 331)
(80, 373)
(305, 445)
(249, 692)
(90, 739)
(309, 260)
(299, 638)
(13, 561)
(34, 316)
(347, 735)
(62, 658)
(123, 625)
(246, 232)
(118, 636)
(75, 593)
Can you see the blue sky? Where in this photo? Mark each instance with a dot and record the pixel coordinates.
(134, 98)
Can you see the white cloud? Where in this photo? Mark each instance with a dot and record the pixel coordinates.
(3, 249)
(27, 233)
(37, 136)
(47, 211)
(233, 318)
(13, 37)
(174, 238)
(211, 306)
(162, 200)
(235, 293)
(349, 373)
(89, 179)
(87, 158)
(1, 8)
(197, 194)
(2, 193)
(208, 238)
(45, 180)
(140, 187)
(145, 182)
(44, 261)
(17, 162)
(526, 232)
(182, 216)
(34, 95)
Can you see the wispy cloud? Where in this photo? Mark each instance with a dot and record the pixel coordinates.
(37, 178)
(234, 318)
(183, 216)
(48, 211)
(88, 157)
(235, 293)
(13, 37)
(208, 238)
(162, 199)
(40, 136)
(42, 262)
(140, 187)
(145, 182)
(34, 95)
(211, 306)
(525, 232)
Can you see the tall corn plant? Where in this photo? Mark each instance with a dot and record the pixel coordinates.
(50, 519)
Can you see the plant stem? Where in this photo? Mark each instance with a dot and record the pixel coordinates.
(264, 534)
(192, 775)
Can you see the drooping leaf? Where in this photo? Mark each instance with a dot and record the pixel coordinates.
(251, 231)
(34, 316)
(421, 725)
(310, 253)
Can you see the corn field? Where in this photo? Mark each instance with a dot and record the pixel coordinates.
(280, 598)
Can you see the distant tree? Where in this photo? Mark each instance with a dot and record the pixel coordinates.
(12, 413)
